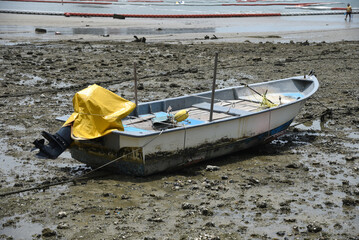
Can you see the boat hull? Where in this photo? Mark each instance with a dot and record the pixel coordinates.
(141, 152)
(133, 163)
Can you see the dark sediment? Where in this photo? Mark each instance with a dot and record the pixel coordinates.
(303, 185)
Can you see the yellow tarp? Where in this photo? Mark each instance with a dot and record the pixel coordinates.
(97, 112)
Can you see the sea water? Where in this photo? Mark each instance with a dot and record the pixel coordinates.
(175, 7)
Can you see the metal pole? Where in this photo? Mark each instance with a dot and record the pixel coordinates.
(213, 86)
(136, 100)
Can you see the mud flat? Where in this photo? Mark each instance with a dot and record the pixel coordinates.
(302, 186)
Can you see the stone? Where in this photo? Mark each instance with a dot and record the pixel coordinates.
(313, 228)
(349, 202)
(63, 226)
(212, 168)
(47, 232)
(186, 205)
(62, 215)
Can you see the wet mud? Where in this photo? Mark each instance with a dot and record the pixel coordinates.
(304, 185)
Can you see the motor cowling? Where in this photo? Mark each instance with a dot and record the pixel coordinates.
(57, 143)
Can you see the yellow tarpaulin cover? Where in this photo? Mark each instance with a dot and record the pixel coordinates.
(97, 112)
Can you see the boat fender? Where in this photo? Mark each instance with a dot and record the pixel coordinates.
(58, 143)
(181, 115)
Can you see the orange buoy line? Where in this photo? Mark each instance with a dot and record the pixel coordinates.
(175, 15)
(89, 14)
(270, 4)
(94, 1)
(205, 15)
(75, 2)
(123, 16)
(337, 8)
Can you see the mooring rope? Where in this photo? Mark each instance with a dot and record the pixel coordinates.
(82, 177)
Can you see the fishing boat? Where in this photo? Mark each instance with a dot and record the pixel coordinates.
(176, 132)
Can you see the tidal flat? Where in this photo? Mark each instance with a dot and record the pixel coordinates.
(304, 185)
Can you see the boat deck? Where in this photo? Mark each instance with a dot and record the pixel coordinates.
(200, 113)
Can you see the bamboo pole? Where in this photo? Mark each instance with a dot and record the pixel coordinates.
(136, 99)
(213, 86)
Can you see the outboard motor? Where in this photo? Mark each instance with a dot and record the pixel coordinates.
(57, 143)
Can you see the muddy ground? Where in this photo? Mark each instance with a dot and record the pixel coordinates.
(304, 185)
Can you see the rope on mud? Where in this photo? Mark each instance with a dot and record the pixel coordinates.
(316, 99)
(78, 86)
(83, 177)
(73, 87)
(327, 112)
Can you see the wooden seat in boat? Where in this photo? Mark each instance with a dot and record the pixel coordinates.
(221, 109)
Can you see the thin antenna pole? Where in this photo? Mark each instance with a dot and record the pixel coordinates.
(136, 100)
(213, 86)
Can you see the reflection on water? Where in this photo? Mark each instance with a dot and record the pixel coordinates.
(130, 31)
(236, 25)
(28, 30)
(315, 125)
(170, 7)
(19, 228)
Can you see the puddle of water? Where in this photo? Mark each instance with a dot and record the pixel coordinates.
(19, 228)
(354, 135)
(11, 167)
(354, 146)
(315, 125)
(31, 80)
(334, 161)
(8, 163)
(16, 127)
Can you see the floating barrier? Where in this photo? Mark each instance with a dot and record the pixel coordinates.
(267, 4)
(244, 3)
(73, 2)
(32, 12)
(316, 13)
(89, 14)
(207, 15)
(123, 16)
(175, 15)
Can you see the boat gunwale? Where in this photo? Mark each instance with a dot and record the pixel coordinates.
(146, 133)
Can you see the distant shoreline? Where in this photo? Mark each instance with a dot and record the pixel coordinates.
(261, 29)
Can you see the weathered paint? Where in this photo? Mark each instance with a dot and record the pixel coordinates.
(130, 159)
(147, 152)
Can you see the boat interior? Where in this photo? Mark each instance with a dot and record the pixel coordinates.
(236, 101)
(228, 103)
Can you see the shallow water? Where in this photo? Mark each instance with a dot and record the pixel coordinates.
(19, 227)
(167, 7)
(238, 25)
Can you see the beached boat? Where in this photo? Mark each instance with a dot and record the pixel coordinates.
(233, 119)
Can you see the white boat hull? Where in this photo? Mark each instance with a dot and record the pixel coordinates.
(145, 153)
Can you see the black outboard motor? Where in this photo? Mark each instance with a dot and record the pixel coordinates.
(57, 143)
